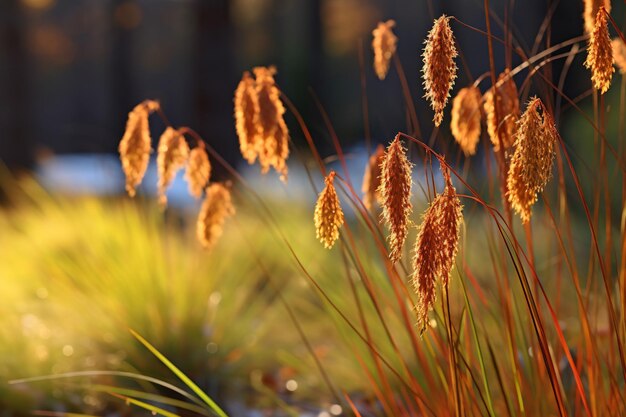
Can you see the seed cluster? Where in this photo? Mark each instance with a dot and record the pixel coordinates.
(531, 164)
(619, 54)
(216, 208)
(600, 53)
(172, 154)
(259, 121)
(384, 45)
(328, 216)
(465, 123)
(502, 110)
(198, 170)
(395, 190)
(439, 71)
(135, 145)
(371, 179)
(436, 246)
(591, 11)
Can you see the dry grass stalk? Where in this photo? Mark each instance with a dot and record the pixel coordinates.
(384, 46)
(245, 108)
(395, 189)
(503, 129)
(172, 154)
(439, 66)
(591, 11)
(135, 146)
(600, 54)
(371, 178)
(436, 246)
(198, 170)
(328, 216)
(531, 164)
(216, 207)
(270, 124)
(465, 123)
(619, 54)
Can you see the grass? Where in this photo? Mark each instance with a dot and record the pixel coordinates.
(532, 322)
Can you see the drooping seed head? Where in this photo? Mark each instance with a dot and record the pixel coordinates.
(245, 107)
(465, 123)
(198, 170)
(502, 111)
(384, 46)
(172, 154)
(270, 124)
(436, 246)
(371, 178)
(328, 216)
(135, 146)
(439, 71)
(216, 208)
(395, 190)
(619, 54)
(531, 164)
(591, 11)
(600, 53)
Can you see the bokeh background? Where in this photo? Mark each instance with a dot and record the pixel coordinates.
(71, 70)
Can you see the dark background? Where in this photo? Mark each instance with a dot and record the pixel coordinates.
(70, 71)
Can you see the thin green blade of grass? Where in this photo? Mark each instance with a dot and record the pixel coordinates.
(110, 389)
(149, 407)
(184, 378)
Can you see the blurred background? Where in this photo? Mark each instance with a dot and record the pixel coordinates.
(70, 71)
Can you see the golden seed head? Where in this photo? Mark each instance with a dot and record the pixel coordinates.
(502, 129)
(384, 46)
(619, 54)
(439, 66)
(531, 164)
(245, 105)
(172, 154)
(270, 124)
(217, 206)
(465, 123)
(371, 178)
(328, 215)
(395, 190)
(436, 246)
(135, 147)
(198, 170)
(600, 53)
(591, 11)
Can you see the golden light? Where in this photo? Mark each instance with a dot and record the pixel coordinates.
(38, 4)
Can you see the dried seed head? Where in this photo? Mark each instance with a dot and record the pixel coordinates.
(134, 147)
(217, 206)
(502, 129)
(436, 246)
(531, 164)
(465, 123)
(395, 189)
(198, 170)
(600, 54)
(619, 54)
(439, 67)
(371, 178)
(328, 215)
(245, 105)
(591, 11)
(384, 45)
(172, 155)
(270, 124)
